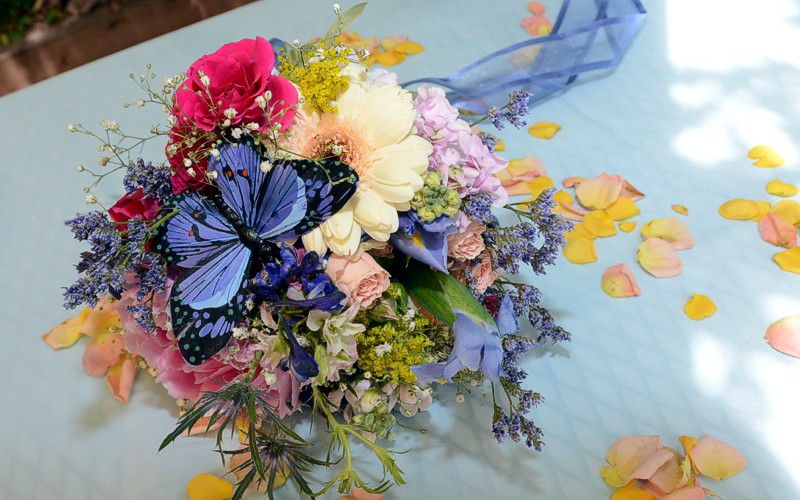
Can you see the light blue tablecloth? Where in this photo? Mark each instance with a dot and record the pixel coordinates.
(703, 83)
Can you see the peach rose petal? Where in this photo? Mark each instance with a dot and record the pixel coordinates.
(669, 229)
(619, 282)
(519, 173)
(658, 258)
(571, 182)
(784, 335)
(623, 208)
(544, 130)
(536, 8)
(689, 493)
(780, 188)
(66, 333)
(631, 192)
(627, 226)
(580, 250)
(673, 475)
(408, 47)
(390, 58)
(776, 230)
(680, 209)
(599, 192)
(633, 457)
(764, 207)
(765, 157)
(789, 260)
(208, 487)
(699, 307)
(716, 459)
(600, 223)
(538, 185)
(631, 492)
(120, 377)
(789, 210)
(565, 206)
(739, 209)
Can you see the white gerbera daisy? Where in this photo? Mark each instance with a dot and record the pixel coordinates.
(372, 132)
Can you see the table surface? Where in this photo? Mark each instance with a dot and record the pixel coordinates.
(701, 85)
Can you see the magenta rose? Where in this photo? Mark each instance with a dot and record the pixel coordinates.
(193, 177)
(235, 77)
(132, 205)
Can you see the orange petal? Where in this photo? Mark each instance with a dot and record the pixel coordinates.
(671, 230)
(631, 492)
(208, 487)
(580, 251)
(789, 210)
(775, 230)
(66, 333)
(623, 208)
(789, 260)
(784, 335)
(699, 307)
(780, 188)
(120, 377)
(599, 192)
(537, 25)
(544, 130)
(391, 42)
(657, 257)
(104, 318)
(390, 58)
(101, 353)
(739, 209)
(766, 157)
(633, 457)
(627, 226)
(409, 48)
(536, 8)
(570, 182)
(618, 281)
(680, 209)
(716, 459)
(689, 493)
(601, 224)
(201, 427)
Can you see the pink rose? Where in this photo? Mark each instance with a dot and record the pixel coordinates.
(234, 77)
(359, 277)
(483, 274)
(468, 244)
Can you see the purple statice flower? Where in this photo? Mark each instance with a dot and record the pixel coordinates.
(478, 207)
(495, 118)
(489, 140)
(527, 303)
(153, 180)
(513, 112)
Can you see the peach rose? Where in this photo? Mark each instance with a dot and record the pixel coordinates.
(483, 274)
(359, 277)
(468, 244)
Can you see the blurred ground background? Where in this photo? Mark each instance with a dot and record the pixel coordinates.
(42, 38)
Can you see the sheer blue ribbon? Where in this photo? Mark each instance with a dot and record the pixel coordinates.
(588, 36)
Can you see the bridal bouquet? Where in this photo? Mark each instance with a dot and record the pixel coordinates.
(319, 241)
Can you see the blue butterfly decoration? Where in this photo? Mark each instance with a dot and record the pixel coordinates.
(220, 240)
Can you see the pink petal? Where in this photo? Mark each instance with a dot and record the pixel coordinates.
(716, 459)
(657, 257)
(784, 335)
(669, 477)
(671, 230)
(690, 493)
(102, 353)
(120, 377)
(536, 8)
(519, 173)
(634, 457)
(571, 182)
(618, 281)
(599, 192)
(776, 230)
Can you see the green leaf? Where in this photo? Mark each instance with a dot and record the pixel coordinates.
(345, 18)
(442, 295)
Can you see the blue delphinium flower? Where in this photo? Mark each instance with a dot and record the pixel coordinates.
(424, 241)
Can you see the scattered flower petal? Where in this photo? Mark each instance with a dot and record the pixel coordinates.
(784, 335)
(657, 257)
(208, 487)
(408, 47)
(623, 208)
(627, 226)
(571, 182)
(519, 173)
(775, 230)
(680, 209)
(633, 457)
(580, 250)
(699, 307)
(739, 209)
(390, 58)
(631, 492)
(780, 188)
(600, 223)
(565, 206)
(120, 377)
(673, 475)
(66, 333)
(538, 185)
(689, 493)
(789, 260)
(764, 207)
(716, 459)
(766, 157)
(687, 442)
(580, 230)
(599, 192)
(630, 191)
(544, 130)
(669, 229)
(536, 8)
(537, 25)
(619, 282)
(789, 210)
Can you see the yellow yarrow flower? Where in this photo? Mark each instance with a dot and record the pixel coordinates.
(319, 78)
(391, 349)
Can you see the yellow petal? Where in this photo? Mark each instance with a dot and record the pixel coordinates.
(519, 173)
(536, 186)
(571, 182)
(631, 492)
(409, 47)
(669, 229)
(565, 206)
(780, 188)
(634, 457)
(120, 377)
(657, 257)
(789, 210)
(766, 157)
(695, 492)
(619, 282)
(208, 487)
(580, 230)
(500, 146)
(544, 130)
(580, 251)
(627, 226)
(739, 209)
(764, 207)
(699, 307)
(680, 209)
(784, 335)
(775, 230)
(392, 41)
(789, 260)
(600, 223)
(622, 208)
(66, 333)
(687, 442)
(599, 192)
(390, 58)
(716, 459)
